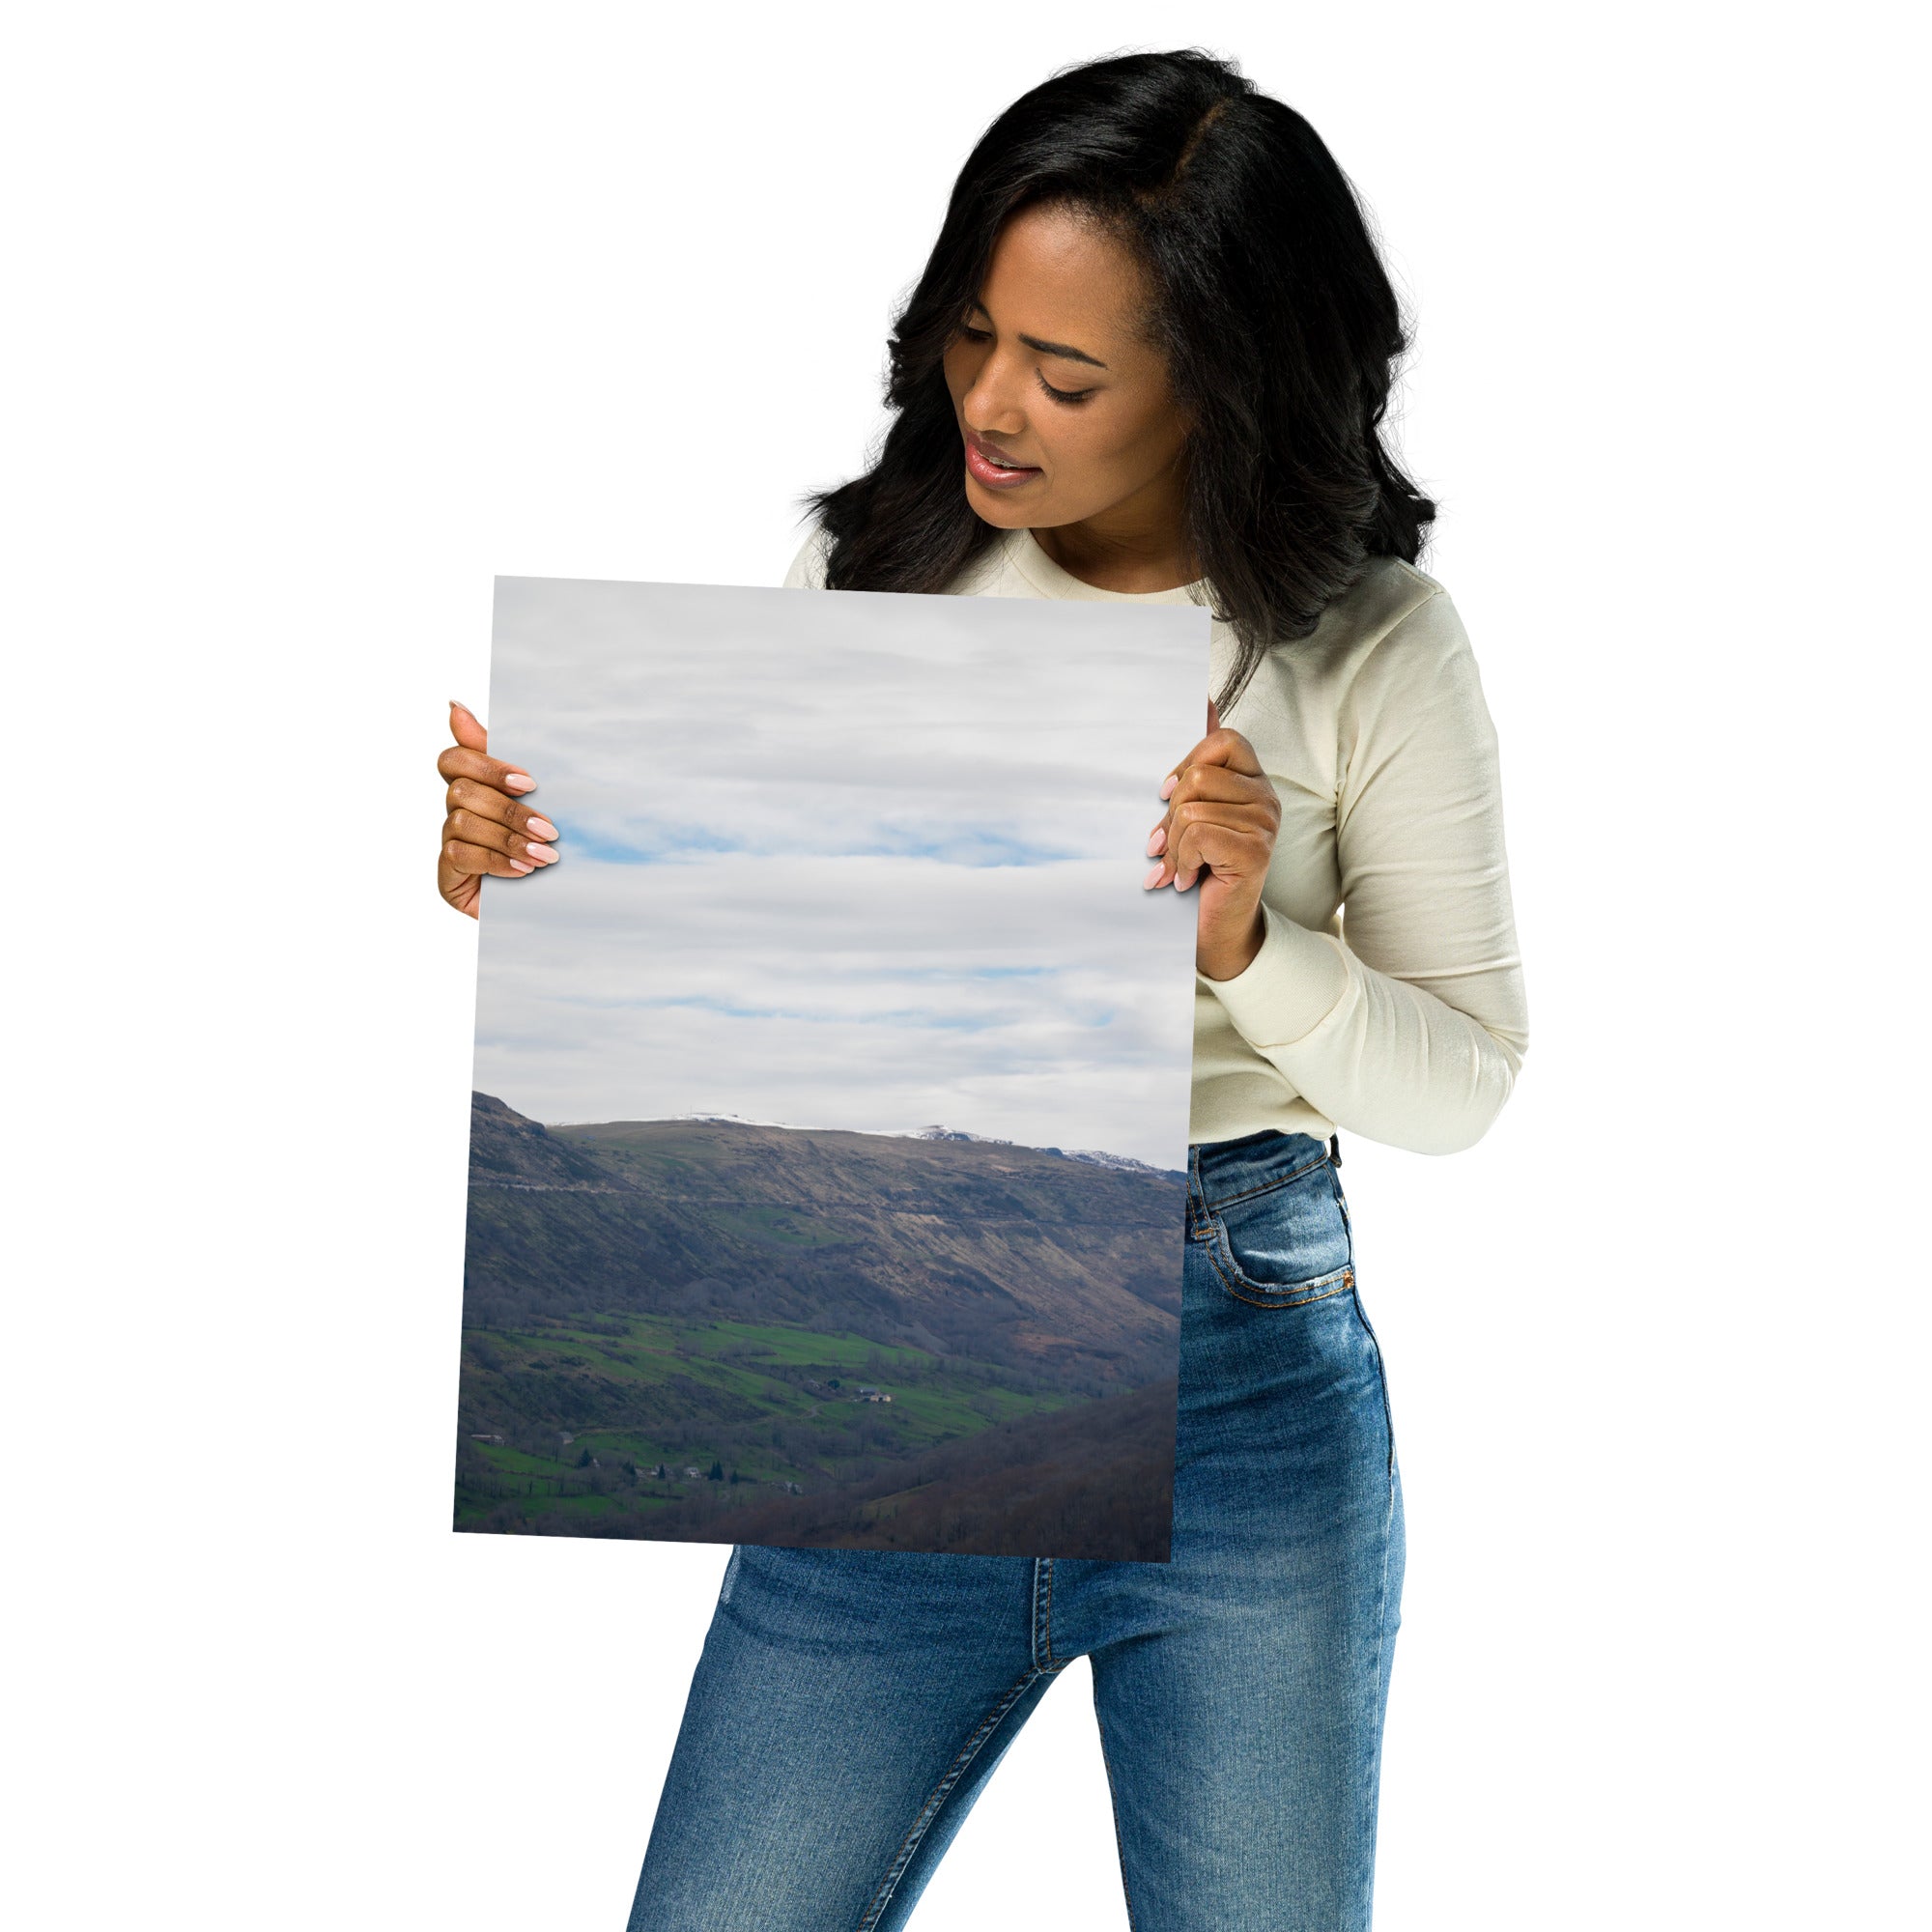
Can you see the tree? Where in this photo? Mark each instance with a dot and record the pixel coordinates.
(716, 1473)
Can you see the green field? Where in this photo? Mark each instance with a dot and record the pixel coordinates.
(586, 1408)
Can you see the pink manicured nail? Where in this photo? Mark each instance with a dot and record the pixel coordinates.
(1168, 783)
(519, 782)
(544, 855)
(1158, 842)
(518, 866)
(540, 828)
(1152, 878)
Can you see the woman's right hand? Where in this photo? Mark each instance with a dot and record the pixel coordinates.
(487, 829)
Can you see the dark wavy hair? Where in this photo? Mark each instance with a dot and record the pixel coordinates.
(1270, 303)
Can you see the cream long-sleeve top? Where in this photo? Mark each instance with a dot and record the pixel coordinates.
(1387, 998)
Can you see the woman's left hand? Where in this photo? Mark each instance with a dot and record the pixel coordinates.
(1222, 817)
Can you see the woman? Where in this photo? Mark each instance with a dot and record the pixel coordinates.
(1148, 361)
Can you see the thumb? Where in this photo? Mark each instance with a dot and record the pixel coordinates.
(1214, 716)
(466, 728)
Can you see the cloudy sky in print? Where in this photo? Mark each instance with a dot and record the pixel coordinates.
(844, 859)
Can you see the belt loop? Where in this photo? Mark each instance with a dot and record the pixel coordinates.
(1335, 1150)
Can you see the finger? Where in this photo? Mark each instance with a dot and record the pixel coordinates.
(1233, 849)
(1258, 811)
(1166, 874)
(486, 802)
(473, 828)
(1219, 793)
(1219, 748)
(460, 762)
(466, 728)
(1214, 718)
(1220, 782)
(1250, 821)
(1222, 855)
(1167, 871)
(459, 857)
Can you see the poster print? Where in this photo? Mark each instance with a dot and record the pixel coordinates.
(828, 1135)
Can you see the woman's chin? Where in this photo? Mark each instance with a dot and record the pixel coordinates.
(997, 507)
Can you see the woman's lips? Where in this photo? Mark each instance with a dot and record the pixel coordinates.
(986, 465)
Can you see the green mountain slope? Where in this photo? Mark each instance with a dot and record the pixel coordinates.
(708, 1330)
(1008, 1255)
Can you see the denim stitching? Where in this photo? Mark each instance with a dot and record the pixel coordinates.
(1291, 1294)
(909, 1844)
(1042, 1624)
(1381, 1378)
(1373, 1728)
(1267, 1186)
(1120, 1836)
(1341, 1288)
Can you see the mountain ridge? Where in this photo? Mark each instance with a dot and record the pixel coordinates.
(986, 1248)
(1098, 1156)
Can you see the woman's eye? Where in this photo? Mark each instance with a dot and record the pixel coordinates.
(1063, 395)
(975, 334)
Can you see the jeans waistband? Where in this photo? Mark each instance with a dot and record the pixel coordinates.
(1220, 1171)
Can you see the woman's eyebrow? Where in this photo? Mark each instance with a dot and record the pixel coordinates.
(1062, 348)
(1067, 350)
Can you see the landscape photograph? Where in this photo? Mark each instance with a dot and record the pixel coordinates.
(827, 1176)
(688, 1328)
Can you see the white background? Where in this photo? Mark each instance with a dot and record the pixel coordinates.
(321, 316)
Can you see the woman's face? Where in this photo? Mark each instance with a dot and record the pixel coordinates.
(1065, 407)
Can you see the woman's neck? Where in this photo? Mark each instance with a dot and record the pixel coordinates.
(1137, 545)
(1108, 563)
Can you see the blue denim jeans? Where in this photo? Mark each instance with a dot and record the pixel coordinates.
(849, 1705)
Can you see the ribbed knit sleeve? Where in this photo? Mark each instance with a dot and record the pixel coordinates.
(1411, 1026)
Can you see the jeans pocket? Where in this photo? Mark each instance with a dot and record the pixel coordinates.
(1285, 1243)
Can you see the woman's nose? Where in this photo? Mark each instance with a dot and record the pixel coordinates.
(991, 405)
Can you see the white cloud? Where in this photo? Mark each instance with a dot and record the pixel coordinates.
(843, 859)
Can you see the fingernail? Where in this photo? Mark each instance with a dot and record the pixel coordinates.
(519, 782)
(1168, 783)
(518, 866)
(1158, 842)
(457, 705)
(1152, 878)
(544, 855)
(540, 828)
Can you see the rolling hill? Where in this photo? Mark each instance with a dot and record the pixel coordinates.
(717, 1331)
(1007, 1254)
